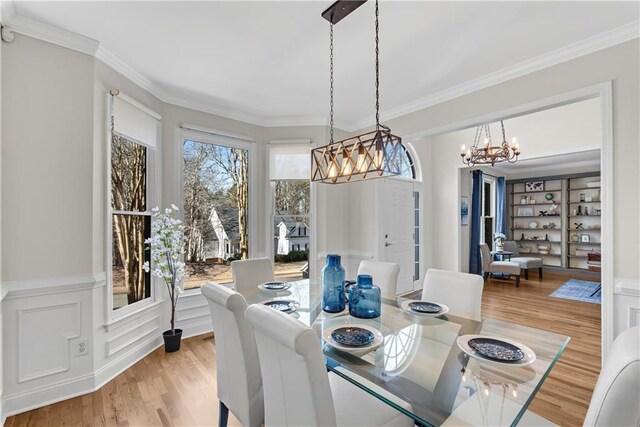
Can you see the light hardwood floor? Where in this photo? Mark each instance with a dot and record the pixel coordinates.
(179, 388)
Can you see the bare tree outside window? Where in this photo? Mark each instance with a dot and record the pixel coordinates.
(130, 222)
(216, 201)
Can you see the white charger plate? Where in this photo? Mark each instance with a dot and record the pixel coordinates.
(405, 306)
(295, 304)
(262, 288)
(378, 338)
(528, 359)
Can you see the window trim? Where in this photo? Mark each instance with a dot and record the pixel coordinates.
(154, 185)
(492, 208)
(215, 137)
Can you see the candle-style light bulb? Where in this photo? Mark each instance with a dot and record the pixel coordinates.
(346, 163)
(360, 163)
(333, 169)
(463, 148)
(486, 142)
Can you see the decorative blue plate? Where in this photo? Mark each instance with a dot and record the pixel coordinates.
(496, 350)
(273, 286)
(425, 307)
(285, 306)
(352, 336)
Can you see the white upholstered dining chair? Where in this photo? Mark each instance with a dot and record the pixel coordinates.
(461, 292)
(249, 273)
(384, 274)
(237, 366)
(297, 389)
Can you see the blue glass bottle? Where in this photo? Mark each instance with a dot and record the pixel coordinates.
(333, 285)
(364, 298)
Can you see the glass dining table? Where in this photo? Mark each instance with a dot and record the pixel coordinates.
(419, 361)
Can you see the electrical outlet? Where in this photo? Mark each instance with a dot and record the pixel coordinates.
(81, 347)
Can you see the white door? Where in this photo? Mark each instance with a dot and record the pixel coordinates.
(396, 209)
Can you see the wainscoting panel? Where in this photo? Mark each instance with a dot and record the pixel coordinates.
(626, 304)
(192, 314)
(53, 328)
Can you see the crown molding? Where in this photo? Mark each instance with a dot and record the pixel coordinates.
(64, 38)
(593, 44)
(49, 33)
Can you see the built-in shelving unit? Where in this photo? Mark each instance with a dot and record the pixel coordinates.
(553, 214)
(583, 197)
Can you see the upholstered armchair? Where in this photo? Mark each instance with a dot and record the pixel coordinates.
(525, 262)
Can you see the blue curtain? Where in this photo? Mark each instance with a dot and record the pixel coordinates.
(475, 263)
(501, 206)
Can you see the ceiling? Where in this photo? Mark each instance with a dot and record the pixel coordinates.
(569, 160)
(269, 59)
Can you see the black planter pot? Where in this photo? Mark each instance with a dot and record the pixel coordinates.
(172, 341)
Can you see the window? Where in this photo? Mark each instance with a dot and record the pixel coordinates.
(215, 188)
(416, 235)
(407, 169)
(134, 136)
(488, 212)
(289, 172)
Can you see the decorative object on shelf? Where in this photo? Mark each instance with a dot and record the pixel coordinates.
(528, 211)
(582, 196)
(546, 237)
(522, 237)
(542, 213)
(364, 298)
(575, 212)
(594, 227)
(549, 197)
(524, 200)
(373, 154)
(532, 201)
(533, 225)
(553, 211)
(575, 238)
(488, 154)
(534, 186)
(333, 285)
(597, 212)
(464, 210)
(544, 249)
(524, 249)
(578, 226)
(167, 251)
(545, 226)
(552, 225)
(586, 210)
(517, 226)
(579, 210)
(585, 238)
(499, 239)
(588, 199)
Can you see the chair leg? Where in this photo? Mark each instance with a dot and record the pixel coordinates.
(518, 280)
(223, 415)
(540, 272)
(486, 276)
(526, 274)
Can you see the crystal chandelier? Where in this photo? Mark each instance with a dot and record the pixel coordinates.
(488, 154)
(374, 154)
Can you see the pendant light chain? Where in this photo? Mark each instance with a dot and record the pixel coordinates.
(331, 82)
(377, 69)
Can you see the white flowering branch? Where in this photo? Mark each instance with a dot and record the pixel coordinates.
(167, 251)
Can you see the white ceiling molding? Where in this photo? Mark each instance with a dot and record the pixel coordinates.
(584, 47)
(58, 36)
(49, 33)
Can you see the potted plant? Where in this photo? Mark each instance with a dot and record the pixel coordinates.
(167, 250)
(499, 239)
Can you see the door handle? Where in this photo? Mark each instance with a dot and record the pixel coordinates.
(388, 244)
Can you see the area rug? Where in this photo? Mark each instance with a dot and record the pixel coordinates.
(580, 290)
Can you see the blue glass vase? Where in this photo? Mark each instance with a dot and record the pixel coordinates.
(333, 285)
(364, 298)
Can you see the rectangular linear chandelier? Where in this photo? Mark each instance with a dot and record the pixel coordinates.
(374, 154)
